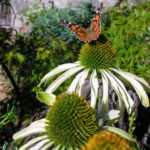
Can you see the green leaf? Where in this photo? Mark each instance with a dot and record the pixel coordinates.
(45, 98)
(120, 132)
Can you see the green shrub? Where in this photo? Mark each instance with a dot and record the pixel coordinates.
(49, 43)
(127, 28)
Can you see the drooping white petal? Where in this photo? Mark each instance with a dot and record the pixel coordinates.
(39, 145)
(110, 115)
(77, 82)
(120, 132)
(63, 148)
(35, 127)
(120, 90)
(113, 114)
(28, 131)
(136, 85)
(70, 148)
(94, 88)
(48, 145)
(57, 147)
(31, 142)
(41, 122)
(55, 84)
(121, 104)
(141, 80)
(81, 81)
(58, 70)
(104, 104)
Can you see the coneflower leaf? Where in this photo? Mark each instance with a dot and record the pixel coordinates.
(46, 98)
(120, 132)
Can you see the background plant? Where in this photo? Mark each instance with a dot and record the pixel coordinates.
(127, 28)
(54, 44)
(29, 57)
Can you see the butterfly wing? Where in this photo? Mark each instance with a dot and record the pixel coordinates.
(80, 32)
(95, 25)
(89, 34)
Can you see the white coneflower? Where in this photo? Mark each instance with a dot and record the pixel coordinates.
(69, 123)
(98, 60)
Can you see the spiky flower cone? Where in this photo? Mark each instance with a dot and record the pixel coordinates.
(97, 54)
(71, 121)
(106, 140)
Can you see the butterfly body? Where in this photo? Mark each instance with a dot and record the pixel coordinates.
(89, 34)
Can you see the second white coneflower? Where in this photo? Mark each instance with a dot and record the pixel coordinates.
(69, 124)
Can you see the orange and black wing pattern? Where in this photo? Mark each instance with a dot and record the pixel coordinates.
(95, 27)
(89, 34)
(80, 32)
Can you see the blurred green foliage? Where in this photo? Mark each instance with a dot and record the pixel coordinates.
(29, 57)
(9, 116)
(128, 29)
(49, 43)
(8, 49)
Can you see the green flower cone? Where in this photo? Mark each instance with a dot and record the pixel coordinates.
(71, 121)
(97, 54)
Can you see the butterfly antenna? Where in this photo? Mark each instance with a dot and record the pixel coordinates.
(100, 8)
(66, 23)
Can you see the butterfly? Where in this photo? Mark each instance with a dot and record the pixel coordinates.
(89, 34)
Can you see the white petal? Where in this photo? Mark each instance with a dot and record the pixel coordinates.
(63, 148)
(94, 88)
(104, 105)
(47, 146)
(39, 145)
(136, 85)
(120, 132)
(110, 115)
(77, 82)
(40, 122)
(113, 114)
(114, 86)
(31, 142)
(57, 147)
(120, 90)
(141, 80)
(28, 131)
(35, 127)
(57, 70)
(81, 81)
(55, 84)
